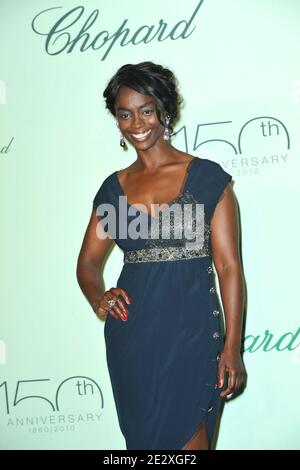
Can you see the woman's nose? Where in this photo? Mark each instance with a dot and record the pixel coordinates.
(137, 122)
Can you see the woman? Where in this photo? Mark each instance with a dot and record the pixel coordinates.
(167, 359)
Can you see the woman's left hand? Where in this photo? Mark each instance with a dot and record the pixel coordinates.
(231, 363)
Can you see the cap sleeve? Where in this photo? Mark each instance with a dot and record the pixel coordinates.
(105, 213)
(104, 193)
(219, 179)
(100, 196)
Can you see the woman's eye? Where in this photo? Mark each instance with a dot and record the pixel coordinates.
(124, 115)
(147, 111)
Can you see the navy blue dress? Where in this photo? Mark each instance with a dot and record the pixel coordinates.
(163, 361)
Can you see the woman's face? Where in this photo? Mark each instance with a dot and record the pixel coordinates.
(137, 118)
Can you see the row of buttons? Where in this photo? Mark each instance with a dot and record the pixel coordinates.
(215, 335)
(212, 290)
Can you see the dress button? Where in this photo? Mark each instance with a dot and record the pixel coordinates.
(216, 312)
(216, 335)
(209, 269)
(212, 290)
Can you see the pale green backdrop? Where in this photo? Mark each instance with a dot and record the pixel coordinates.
(238, 66)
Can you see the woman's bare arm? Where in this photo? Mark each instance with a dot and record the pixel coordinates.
(226, 257)
(90, 261)
(95, 246)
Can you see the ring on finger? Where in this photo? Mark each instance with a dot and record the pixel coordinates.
(111, 303)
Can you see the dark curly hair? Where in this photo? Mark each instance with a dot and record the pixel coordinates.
(148, 79)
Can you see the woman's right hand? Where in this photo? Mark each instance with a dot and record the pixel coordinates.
(119, 310)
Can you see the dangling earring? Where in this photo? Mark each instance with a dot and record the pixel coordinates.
(166, 135)
(122, 140)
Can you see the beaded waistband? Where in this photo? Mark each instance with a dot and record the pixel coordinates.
(171, 253)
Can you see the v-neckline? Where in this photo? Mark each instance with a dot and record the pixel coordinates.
(164, 204)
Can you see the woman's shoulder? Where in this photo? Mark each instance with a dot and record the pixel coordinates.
(208, 183)
(105, 189)
(210, 165)
(210, 170)
(107, 181)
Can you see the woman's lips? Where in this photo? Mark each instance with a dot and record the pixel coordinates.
(141, 136)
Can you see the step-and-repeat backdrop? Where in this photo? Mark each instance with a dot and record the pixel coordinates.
(238, 69)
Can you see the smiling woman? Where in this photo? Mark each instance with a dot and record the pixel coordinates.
(145, 111)
(138, 122)
(167, 359)
(149, 90)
